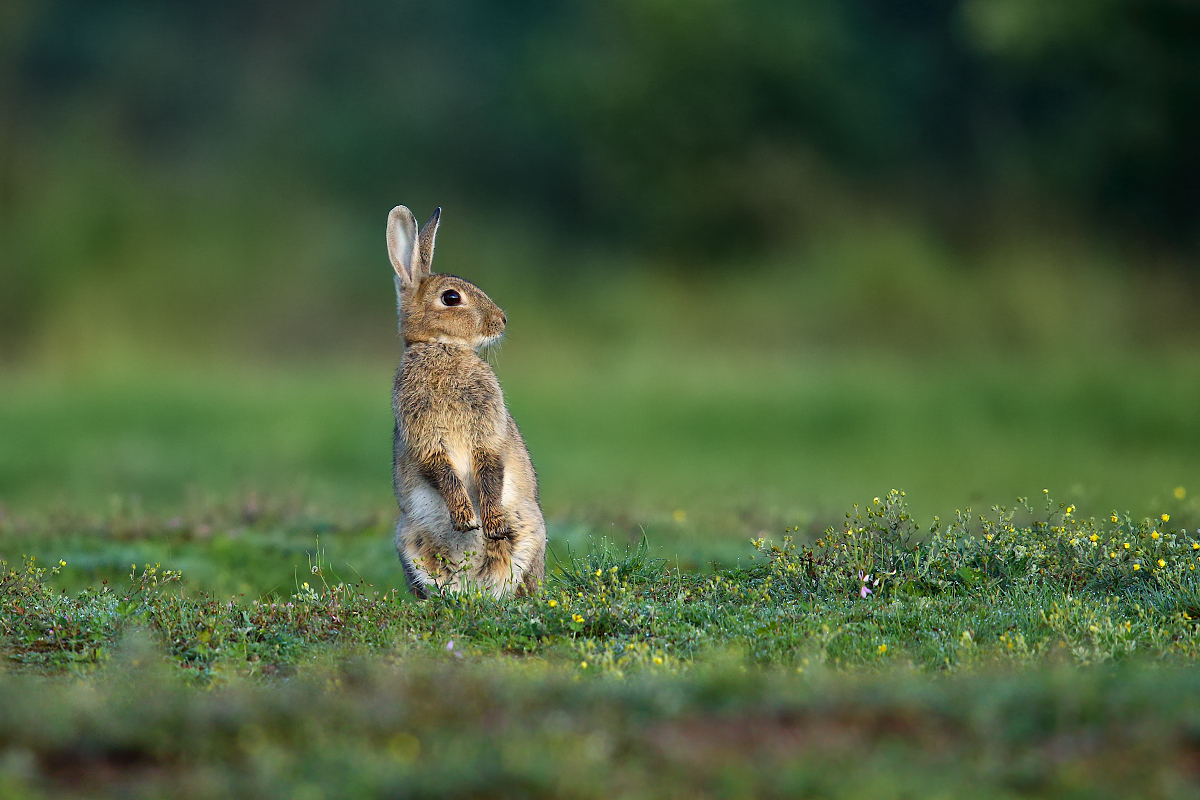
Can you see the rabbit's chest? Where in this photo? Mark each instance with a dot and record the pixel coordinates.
(450, 411)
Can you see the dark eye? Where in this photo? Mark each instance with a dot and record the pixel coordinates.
(451, 297)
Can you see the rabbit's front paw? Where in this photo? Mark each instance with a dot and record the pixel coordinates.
(463, 518)
(496, 527)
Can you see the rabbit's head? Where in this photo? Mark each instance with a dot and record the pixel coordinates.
(433, 307)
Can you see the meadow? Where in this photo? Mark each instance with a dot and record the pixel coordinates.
(201, 598)
(855, 344)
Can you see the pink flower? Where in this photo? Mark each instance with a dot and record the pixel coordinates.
(865, 590)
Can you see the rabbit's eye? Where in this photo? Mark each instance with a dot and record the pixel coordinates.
(451, 297)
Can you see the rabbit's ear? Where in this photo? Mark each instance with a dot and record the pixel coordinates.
(424, 256)
(402, 245)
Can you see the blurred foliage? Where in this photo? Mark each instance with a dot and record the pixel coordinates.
(701, 454)
(196, 172)
(439, 729)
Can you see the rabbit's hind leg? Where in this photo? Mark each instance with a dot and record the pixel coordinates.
(515, 562)
(426, 565)
(494, 566)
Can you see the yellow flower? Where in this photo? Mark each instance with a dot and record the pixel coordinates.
(1154, 535)
(1136, 567)
(1162, 563)
(1127, 545)
(882, 649)
(577, 618)
(658, 660)
(1113, 517)
(1196, 545)
(1093, 538)
(552, 603)
(583, 665)
(1180, 492)
(1166, 517)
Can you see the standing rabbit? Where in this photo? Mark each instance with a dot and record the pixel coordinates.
(468, 496)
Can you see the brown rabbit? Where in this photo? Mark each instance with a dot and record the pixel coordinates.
(469, 513)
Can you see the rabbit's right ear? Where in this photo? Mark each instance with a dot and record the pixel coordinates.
(402, 245)
(425, 241)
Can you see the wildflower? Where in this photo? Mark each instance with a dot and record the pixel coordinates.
(1154, 535)
(1126, 545)
(304, 585)
(599, 572)
(882, 649)
(552, 603)
(1136, 566)
(1093, 538)
(1113, 518)
(658, 660)
(1166, 517)
(450, 646)
(577, 618)
(1162, 563)
(865, 590)
(1196, 545)
(583, 665)
(62, 563)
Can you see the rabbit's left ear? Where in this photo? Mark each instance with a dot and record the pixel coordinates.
(424, 255)
(402, 245)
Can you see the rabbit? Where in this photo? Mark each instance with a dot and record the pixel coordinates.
(468, 494)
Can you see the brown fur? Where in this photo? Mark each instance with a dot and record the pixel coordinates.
(469, 512)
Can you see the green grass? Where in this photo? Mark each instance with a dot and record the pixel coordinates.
(288, 661)
(448, 728)
(1001, 656)
(699, 454)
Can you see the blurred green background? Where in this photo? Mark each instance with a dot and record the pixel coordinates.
(761, 259)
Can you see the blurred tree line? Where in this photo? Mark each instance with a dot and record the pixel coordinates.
(166, 138)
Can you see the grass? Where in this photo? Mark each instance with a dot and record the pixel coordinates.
(701, 454)
(1001, 656)
(445, 728)
(201, 598)
(877, 591)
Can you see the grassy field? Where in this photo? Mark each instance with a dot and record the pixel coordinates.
(201, 598)
(1025, 653)
(700, 454)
